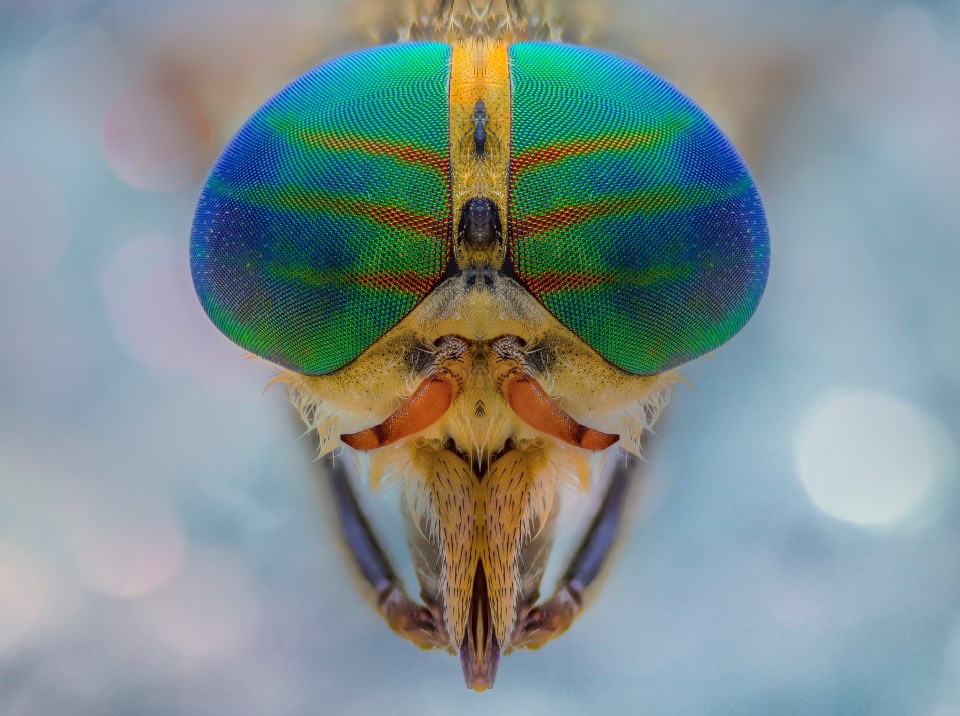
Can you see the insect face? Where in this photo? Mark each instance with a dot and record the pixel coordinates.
(479, 321)
(479, 446)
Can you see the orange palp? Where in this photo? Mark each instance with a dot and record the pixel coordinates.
(532, 405)
(426, 406)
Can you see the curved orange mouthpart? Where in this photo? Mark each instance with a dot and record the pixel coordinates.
(534, 407)
(426, 406)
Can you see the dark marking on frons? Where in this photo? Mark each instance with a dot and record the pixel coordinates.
(539, 357)
(480, 227)
(480, 120)
(482, 273)
(420, 357)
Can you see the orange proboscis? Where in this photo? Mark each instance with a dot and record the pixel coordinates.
(532, 405)
(426, 406)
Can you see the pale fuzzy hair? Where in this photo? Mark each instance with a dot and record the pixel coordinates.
(328, 419)
(333, 405)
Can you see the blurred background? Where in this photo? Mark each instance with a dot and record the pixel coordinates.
(163, 547)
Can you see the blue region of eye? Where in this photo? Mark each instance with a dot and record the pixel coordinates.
(705, 156)
(241, 269)
(683, 237)
(266, 235)
(278, 163)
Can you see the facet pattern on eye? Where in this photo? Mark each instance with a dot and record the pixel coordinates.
(327, 219)
(631, 217)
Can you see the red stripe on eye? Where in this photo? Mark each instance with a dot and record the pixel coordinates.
(637, 202)
(564, 217)
(401, 151)
(393, 217)
(551, 153)
(406, 281)
(396, 217)
(556, 281)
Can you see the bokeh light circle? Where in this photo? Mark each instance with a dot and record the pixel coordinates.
(871, 459)
(24, 593)
(157, 318)
(209, 612)
(155, 135)
(128, 549)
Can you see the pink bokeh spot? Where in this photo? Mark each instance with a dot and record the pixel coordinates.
(154, 137)
(157, 317)
(128, 549)
(209, 612)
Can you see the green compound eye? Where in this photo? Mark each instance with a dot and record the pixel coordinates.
(327, 218)
(629, 216)
(632, 219)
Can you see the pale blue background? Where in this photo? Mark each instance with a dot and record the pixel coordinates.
(163, 550)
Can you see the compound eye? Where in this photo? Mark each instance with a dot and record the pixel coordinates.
(327, 219)
(632, 219)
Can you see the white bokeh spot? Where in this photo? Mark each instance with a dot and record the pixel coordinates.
(871, 459)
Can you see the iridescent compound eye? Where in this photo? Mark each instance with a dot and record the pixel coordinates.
(632, 219)
(630, 216)
(327, 218)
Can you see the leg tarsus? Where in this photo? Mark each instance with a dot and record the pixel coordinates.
(536, 625)
(424, 626)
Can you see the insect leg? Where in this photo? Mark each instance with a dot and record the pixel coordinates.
(424, 626)
(536, 625)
